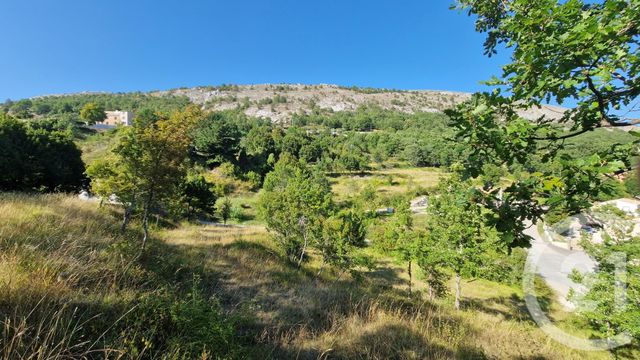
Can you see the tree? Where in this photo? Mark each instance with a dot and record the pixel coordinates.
(92, 113)
(456, 232)
(401, 239)
(295, 202)
(110, 177)
(343, 234)
(606, 310)
(224, 209)
(148, 163)
(216, 139)
(198, 196)
(549, 61)
(38, 159)
(22, 108)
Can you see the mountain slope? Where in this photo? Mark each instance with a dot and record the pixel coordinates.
(281, 102)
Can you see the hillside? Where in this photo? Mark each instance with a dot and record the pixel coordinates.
(280, 102)
(71, 280)
(277, 102)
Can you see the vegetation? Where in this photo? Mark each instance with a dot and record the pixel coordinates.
(73, 287)
(289, 272)
(147, 166)
(34, 158)
(172, 302)
(71, 105)
(92, 113)
(295, 204)
(550, 61)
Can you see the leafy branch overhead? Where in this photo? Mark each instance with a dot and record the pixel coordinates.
(570, 51)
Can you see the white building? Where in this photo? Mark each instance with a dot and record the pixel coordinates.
(118, 118)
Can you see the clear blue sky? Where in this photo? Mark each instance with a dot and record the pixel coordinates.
(116, 45)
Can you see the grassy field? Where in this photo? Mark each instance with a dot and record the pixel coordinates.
(296, 314)
(70, 279)
(386, 182)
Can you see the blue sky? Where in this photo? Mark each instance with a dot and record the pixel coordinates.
(115, 45)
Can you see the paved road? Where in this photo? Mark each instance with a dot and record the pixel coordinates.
(555, 265)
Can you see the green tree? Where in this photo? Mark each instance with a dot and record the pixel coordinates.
(456, 230)
(224, 208)
(22, 108)
(607, 311)
(294, 203)
(199, 197)
(92, 113)
(38, 159)
(149, 160)
(216, 139)
(550, 61)
(112, 180)
(401, 239)
(343, 234)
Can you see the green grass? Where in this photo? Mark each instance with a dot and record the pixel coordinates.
(97, 145)
(386, 182)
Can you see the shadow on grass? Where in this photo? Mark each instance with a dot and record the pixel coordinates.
(508, 307)
(280, 306)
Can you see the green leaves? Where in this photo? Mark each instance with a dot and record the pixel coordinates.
(294, 203)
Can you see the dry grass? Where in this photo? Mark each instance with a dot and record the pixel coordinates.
(66, 290)
(73, 287)
(291, 314)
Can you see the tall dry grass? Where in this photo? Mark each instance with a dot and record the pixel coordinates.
(289, 313)
(70, 287)
(73, 287)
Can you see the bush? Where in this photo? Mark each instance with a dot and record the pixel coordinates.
(183, 327)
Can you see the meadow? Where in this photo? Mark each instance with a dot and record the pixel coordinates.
(74, 286)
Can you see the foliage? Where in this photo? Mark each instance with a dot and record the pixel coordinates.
(401, 239)
(632, 183)
(224, 208)
(57, 106)
(550, 61)
(37, 159)
(343, 233)
(294, 204)
(457, 235)
(607, 311)
(198, 196)
(549, 57)
(92, 113)
(217, 138)
(149, 160)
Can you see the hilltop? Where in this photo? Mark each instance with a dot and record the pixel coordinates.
(279, 102)
(276, 102)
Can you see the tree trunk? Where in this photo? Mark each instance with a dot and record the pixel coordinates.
(304, 249)
(458, 294)
(125, 218)
(320, 270)
(145, 227)
(410, 276)
(145, 220)
(302, 224)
